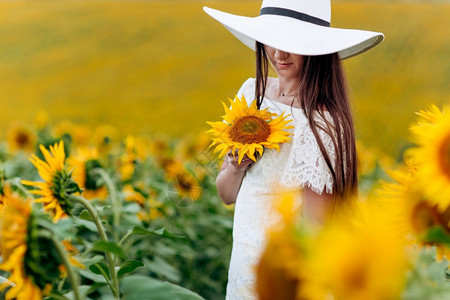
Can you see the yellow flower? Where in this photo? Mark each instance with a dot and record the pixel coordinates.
(405, 208)
(279, 273)
(71, 251)
(82, 162)
(29, 255)
(185, 183)
(191, 147)
(58, 183)
(150, 207)
(432, 136)
(356, 257)
(81, 135)
(64, 128)
(41, 119)
(367, 159)
(104, 136)
(128, 159)
(21, 137)
(14, 223)
(248, 129)
(133, 196)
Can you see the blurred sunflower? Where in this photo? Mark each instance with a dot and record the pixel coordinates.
(367, 159)
(81, 135)
(82, 163)
(248, 129)
(367, 261)
(405, 208)
(58, 184)
(31, 260)
(191, 147)
(104, 136)
(280, 270)
(150, 207)
(41, 119)
(185, 183)
(21, 137)
(432, 136)
(63, 128)
(128, 159)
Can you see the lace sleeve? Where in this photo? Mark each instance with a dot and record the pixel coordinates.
(307, 166)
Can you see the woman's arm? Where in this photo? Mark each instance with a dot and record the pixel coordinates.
(316, 208)
(230, 177)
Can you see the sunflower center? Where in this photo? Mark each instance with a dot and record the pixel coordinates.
(424, 217)
(356, 278)
(22, 139)
(445, 156)
(249, 130)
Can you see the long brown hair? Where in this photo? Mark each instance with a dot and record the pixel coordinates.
(322, 88)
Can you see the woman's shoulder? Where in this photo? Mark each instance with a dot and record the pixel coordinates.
(247, 89)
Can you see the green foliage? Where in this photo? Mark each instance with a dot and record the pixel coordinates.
(427, 279)
(142, 288)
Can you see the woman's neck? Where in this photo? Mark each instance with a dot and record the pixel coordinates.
(287, 87)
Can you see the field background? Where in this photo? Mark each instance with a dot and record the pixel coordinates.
(164, 66)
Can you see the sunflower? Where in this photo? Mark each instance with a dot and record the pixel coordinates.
(432, 136)
(279, 273)
(21, 137)
(150, 207)
(58, 183)
(128, 159)
(82, 163)
(248, 129)
(367, 259)
(406, 209)
(31, 260)
(41, 119)
(104, 136)
(184, 181)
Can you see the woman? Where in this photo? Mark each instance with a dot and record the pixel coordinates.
(294, 35)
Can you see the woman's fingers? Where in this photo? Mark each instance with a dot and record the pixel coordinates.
(234, 160)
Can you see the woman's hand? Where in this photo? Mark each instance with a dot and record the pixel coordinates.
(230, 177)
(233, 161)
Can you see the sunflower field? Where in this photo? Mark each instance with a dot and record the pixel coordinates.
(107, 180)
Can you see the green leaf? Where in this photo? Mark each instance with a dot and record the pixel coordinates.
(161, 267)
(160, 232)
(83, 290)
(93, 260)
(437, 234)
(110, 247)
(100, 269)
(136, 287)
(94, 277)
(90, 225)
(85, 215)
(129, 267)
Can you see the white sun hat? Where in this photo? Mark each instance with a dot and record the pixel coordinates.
(299, 27)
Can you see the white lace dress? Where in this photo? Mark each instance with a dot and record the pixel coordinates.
(298, 164)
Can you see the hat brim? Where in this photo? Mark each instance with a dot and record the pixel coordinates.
(295, 36)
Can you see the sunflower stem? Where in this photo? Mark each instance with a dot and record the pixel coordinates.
(115, 201)
(129, 233)
(63, 255)
(93, 212)
(105, 275)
